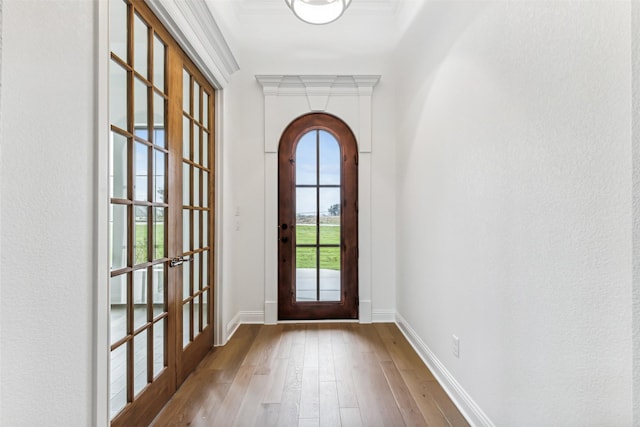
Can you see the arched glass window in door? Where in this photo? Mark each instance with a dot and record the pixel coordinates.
(317, 182)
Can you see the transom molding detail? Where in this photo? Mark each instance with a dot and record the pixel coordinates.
(325, 85)
(318, 91)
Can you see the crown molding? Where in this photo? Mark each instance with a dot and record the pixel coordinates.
(195, 29)
(317, 85)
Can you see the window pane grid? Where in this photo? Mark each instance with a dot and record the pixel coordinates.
(138, 182)
(318, 203)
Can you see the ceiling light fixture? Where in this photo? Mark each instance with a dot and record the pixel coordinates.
(318, 12)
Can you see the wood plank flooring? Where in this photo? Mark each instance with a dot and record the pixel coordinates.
(343, 374)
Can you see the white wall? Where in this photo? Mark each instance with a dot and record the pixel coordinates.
(244, 270)
(635, 55)
(514, 205)
(47, 186)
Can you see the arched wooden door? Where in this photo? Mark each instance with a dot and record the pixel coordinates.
(317, 220)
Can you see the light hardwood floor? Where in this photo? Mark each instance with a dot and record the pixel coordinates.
(343, 374)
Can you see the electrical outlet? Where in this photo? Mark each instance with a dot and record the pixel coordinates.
(455, 346)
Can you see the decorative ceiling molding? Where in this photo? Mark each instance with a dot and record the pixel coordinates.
(193, 26)
(296, 85)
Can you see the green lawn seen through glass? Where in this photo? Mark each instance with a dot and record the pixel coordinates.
(306, 234)
(329, 257)
(141, 242)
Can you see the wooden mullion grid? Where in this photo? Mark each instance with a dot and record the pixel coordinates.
(130, 209)
(151, 176)
(175, 61)
(212, 203)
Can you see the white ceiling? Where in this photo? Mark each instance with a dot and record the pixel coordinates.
(368, 27)
(275, 6)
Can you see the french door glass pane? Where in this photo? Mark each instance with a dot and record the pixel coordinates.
(118, 166)
(196, 186)
(118, 236)
(141, 172)
(196, 100)
(306, 160)
(205, 149)
(158, 120)
(196, 230)
(141, 40)
(186, 144)
(205, 189)
(186, 231)
(118, 28)
(196, 272)
(205, 229)
(186, 92)
(159, 215)
(205, 269)
(158, 63)
(205, 309)
(196, 316)
(196, 144)
(159, 343)
(118, 387)
(118, 307)
(186, 184)
(186, 281)
(141, 109)
(142, 239)
(140, 362)
(186, 323)
(139, 298)
(118, 95)
(159, 178)
(205, 110)
(159, 300)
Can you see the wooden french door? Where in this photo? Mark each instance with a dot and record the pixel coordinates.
(161, 211)
(317, 220)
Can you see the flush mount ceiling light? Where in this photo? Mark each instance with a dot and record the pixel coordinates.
(318, 11)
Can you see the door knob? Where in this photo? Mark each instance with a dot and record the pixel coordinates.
(284, 239)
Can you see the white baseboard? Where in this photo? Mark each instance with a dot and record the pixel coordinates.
(243, 317)
(364, 311)
(271, 312)
(467, 406)
(383, 316)
(231, 328)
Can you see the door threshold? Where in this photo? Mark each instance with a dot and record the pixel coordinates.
(320, 321)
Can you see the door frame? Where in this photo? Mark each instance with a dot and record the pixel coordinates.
(286, 97)
(347, 307)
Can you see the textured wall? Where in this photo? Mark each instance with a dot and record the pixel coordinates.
(46, 182)
(514, 204)
(1, 33)
(635, 55)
